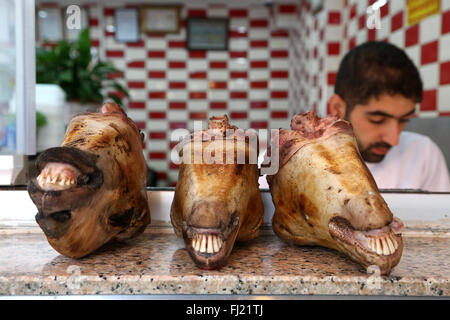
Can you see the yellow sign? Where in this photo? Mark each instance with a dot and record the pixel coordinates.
(420, 9)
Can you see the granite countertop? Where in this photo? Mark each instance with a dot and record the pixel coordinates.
(157, 263)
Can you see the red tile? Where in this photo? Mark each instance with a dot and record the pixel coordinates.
(177, 125)
(197, 54)
(259, 23)
(160, 135)
(259, 125)
(197, 75)
(177, 44)
(93, 22)
(155, 35)
(372, 34)
(177, 64)
(136, 84)
(95, 43)
(351, 43)
(279, 74)
(238, 115)
(331, 78)
(429, 100)
(237, 34)
(362, 22)
(279, 34)
(397, 21)
(259, 85)
(196, 13)
(259, 64)
(334, 17)
(217, 64)
(157, 74)
(177, 105)
(177, 85)
(353, 11)
(279, 94)
(429, 52)
(157, 155)
(136, 104)
(444, 72)
(157, 114)
(238, 74)
(237, 13)
(119, 94)
(258, 104)
(108, 12)
(174, 166)
(279, 114)
(109, 33)
(384, 10)
(198, 115)
(162, 175)
(197, 95)
(445, 22)
(238, 54)
(218, 84)
(157, 95)
(279, 53)
(412, 36)
(138, 44)
(140, 124)
(156, 54)
(136, 64)
(334, 48)
(217, 105)
(115, 75)
(444, 114)
(287, 8)
(114, 53)
(259, 43)
(238, 95)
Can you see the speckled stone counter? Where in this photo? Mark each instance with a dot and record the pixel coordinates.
(156, 263)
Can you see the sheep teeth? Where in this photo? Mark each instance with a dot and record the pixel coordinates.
(207, 243)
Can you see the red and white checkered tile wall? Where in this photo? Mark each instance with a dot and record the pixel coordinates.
(170, 86)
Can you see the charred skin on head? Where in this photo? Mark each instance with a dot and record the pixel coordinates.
(325, 195)
(216, 204)
(92, 188)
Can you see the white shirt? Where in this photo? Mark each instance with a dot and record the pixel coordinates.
(415, 163)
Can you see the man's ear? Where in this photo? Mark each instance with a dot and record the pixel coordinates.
(337, 106)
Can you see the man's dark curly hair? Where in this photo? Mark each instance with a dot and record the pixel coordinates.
(375, 68)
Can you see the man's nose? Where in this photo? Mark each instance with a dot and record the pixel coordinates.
(392, 133)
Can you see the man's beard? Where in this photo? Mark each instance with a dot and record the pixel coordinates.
(369, 156)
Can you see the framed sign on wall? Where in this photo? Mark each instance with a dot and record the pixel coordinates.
(127, 25)
(160, 18)
(207, 34)
(49, 24)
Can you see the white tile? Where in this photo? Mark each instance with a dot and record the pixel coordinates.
(333, 32)
(197, 105)
(238, 22)
(138, 94)
(135, 74)
(137, 115)
(279, 64)
(198, 85)
(258, 94)
(241, 124)
(428, 114)
(257, 54)
(156, 125)
(111, 44)
(176, 54)
(257, 115)
(217, 55)
(156, 85)
(218, 74)
(276, 124)
(95, 33)
(238, 105)
(414, 54)
(158, 165)
(430, 29)
(258, 11)
(285, 21)
(156, 64)
(218, 95)
(361, 7)
(238, 44)
(238, 84)
(156, 145)
(444, 98)
(177, 115)
(259, 33)
(172, 175)
(352, 28)
(279, 84)
(156, 104)
(197, 64)
(176, 74)
(156, 43)
(119, 63)
(445, 5)
(385, 29)
(217, 12)
(397, 5)
(444, 47)
(180, 35)
(336, 4)
(135, 54)
(177, 95)
(278, 104)
(398, 38)
(430, 76)
(279, 43)
(258, 74)
(238, 64)
(361, 36)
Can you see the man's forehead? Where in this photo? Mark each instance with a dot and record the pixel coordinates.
(396, 106)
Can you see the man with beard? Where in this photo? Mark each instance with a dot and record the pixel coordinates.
(377, 88)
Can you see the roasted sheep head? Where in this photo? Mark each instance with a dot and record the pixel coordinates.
(217, 200)
(325, 195)
(92, 188)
